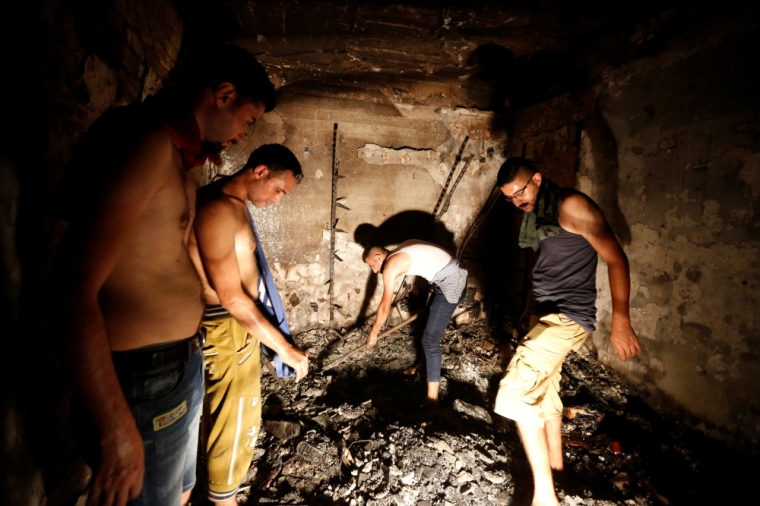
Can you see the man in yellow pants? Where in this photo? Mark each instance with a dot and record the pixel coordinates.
(238, 316)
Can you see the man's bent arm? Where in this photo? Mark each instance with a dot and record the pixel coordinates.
(87, 257)
(392, 269)
(215, 228)
(581, 215)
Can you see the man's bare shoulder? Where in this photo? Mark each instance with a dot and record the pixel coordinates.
(221, 211)
(578, 212)
(574, 203)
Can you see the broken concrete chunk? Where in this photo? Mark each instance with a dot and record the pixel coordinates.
(620, 480)
(443, 447)
(323, 420)
(494, 477)
(464, 477)
(309, 452)
(482, 456)
(283, 429)
(408, 479)
(350, 412)
(472, 411)
(313, 392)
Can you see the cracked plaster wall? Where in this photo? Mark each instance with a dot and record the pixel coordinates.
(394, 158)
(673, 158)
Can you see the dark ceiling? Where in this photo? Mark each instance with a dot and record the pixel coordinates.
(329, 42)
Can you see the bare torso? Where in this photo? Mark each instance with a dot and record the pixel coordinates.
(153, 294)
(245, 246)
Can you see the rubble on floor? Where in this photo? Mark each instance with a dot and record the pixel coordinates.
(356, 435)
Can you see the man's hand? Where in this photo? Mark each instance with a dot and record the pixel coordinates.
(119, 477)
(624, 340)
(371, 340)
(296, 359)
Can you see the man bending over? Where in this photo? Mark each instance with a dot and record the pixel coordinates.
(568, 230)
(241, 303)
(449, 280)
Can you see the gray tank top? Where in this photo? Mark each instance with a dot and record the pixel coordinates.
(564, 278)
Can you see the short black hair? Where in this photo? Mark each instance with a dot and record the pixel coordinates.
(509, 170)
(228, 63)
(277, 158)
(368, 251)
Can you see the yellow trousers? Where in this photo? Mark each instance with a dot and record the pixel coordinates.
(529, 390)
(232, 407)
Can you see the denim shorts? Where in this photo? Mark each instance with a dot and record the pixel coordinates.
(166, 402)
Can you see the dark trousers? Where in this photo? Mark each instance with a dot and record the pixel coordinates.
(439, 316)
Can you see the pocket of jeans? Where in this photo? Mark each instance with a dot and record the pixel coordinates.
(161, 385)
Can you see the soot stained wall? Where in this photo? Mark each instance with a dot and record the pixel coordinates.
(676, 138)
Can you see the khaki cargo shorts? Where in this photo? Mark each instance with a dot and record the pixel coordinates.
(529, 390)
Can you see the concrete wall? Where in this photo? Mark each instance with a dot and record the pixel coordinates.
(394, 160)
(676, 140)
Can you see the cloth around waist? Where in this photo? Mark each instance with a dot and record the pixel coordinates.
(452, 280)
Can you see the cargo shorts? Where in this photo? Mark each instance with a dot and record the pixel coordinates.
(529, 390)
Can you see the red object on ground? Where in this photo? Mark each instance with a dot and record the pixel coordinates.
(615, 448)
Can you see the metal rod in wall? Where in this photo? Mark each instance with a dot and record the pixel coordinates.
(451, 174)
(333, 219)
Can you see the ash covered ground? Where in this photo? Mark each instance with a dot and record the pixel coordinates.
(355, 434)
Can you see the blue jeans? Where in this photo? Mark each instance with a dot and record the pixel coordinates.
(439, 315)
(166, 403)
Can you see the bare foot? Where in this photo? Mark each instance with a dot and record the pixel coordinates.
(411, 371)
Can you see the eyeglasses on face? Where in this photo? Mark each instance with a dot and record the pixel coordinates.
(519, 192)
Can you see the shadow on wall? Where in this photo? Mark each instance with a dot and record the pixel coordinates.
(401, 227)
(603, 171)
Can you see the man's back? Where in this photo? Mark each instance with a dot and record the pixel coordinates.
(426, 258)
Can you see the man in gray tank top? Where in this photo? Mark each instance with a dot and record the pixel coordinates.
(419, 258)
(568, 230)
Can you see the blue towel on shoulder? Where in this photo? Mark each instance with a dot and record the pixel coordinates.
(272, 305)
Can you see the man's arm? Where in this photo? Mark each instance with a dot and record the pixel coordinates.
(215, 229)
(580, 215)
(86, 258)
(394, 267)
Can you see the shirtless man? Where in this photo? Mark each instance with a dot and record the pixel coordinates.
(128, 298)
(238, 318)
(569, 231)
(419, 258)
